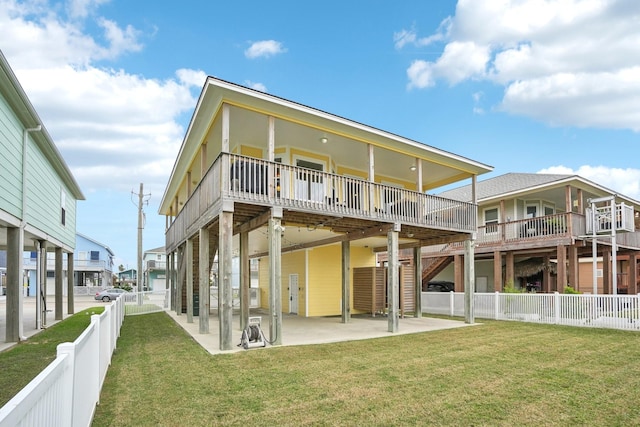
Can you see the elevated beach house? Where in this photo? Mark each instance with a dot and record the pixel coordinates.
(310, 195)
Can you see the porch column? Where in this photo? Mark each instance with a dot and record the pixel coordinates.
(469, 281)
(371, 177)
(188, 258)
(573, 267)
(225, 295)
(509, 277)
(346, 281)
(275, 276)
(606, 271)
(546, 275)
(14, 327)
(58, 283)
(393, 282)
(70, 285)
(417, 280)
(633, 273)
(497, 271)
(562, 268)
(458, 273)
(203, 285)
(180, 278)
(41, 278)
(580, 198)
(245, 280)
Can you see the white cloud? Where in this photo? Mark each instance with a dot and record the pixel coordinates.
(623, 181)
(564, 62)
(113, 128)
(264, 48)
(255, 85)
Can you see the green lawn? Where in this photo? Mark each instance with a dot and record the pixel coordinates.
(498, 373)
(22, 362)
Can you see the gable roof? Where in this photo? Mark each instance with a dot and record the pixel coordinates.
(513, 184)
(445, 167)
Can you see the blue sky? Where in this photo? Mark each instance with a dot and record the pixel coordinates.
(525, 86)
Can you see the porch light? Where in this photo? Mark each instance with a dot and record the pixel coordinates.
(413, 168)
(324, 139)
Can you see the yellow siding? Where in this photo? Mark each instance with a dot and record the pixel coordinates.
(404, 184)
(352, 172)
(246, 150)
(322, 157)
(324, 290)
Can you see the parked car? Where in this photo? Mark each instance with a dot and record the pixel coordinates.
(438, 286)
(110, 294)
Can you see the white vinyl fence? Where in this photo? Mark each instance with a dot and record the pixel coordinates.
(600, 311)
(67, 391)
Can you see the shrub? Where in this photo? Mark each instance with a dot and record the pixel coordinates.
(570, 290)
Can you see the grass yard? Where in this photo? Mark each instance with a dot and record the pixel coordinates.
(24, 361)
(495, 374)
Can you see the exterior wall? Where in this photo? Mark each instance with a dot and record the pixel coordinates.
(585, 276)
(320, 281)
(483, 268)
(11, 161)
(46, 193)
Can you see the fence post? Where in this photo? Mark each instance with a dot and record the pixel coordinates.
(68, 349)
(556, 307)
(496, 305)
(451, 303)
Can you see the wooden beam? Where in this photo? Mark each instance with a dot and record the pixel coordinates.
(70, 284)
(225, 295)
(497, 271)
(633, 273)
(204, 286)
(417, 280)
(252, 224)
(562, 268)
(509, 269)
(469, 281)
(245, 280)
(574, 267)
(59, 272)
(458, 273)
(393, 284)
(188, 256)
(275, 279)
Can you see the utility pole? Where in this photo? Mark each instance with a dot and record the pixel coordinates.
(142, 199)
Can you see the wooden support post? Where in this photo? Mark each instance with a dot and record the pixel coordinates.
(606, 272)
(509, 269)
(497, 271)
(562, 268)
(14, 327)
(203, 285)
(346, 282)
(633, 273)
(42, 277)
(181, 279)
(393, 283)
(574, 279)
(245, 280)
(225, 296)
(417, 280)
(275, 277)
(458, 273)
(70, 284)
(546, 275)
(188, 257)
(469, 281)
(58, 273)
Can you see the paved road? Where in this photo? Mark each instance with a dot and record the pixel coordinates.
(29, 314)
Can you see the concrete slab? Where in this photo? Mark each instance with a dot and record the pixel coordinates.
(298, 330)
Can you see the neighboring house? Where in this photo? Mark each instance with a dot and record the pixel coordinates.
(311, 195)
(127, 277)
(535, 232)
(155, 269)
(38, 197)
(93, 267)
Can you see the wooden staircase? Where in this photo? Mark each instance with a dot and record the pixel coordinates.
(433, 266)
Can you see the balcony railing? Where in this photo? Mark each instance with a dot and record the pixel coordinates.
(275, 184)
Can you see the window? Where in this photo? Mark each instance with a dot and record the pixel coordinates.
(549, 210)
(63, 206)
(532, 211)
(491, 220)
(309, 185)
(95, 256)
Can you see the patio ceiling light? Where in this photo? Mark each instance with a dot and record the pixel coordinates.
(412, 167)
(324, 139)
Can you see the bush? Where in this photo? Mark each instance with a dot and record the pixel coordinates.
(510, 288)
(570, 290)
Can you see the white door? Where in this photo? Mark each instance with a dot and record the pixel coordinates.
(293, 293)
(482, 284)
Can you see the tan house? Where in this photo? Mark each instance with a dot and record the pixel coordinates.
(309, 194)
(536, 231)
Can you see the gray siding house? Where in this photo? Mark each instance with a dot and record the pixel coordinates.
(38, 196)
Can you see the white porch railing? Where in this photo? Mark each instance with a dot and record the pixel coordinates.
(600, 311)
(66, 392)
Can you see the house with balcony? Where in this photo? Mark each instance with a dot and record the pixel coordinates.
(544, 232)
(38, 196)
(93, 268)
(309, 194)
(155, 269)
